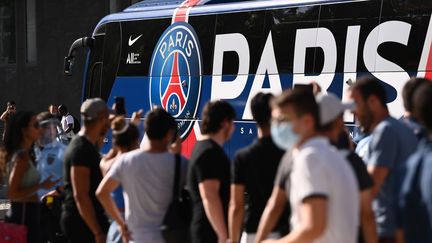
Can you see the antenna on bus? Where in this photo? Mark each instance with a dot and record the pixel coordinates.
(70, 58)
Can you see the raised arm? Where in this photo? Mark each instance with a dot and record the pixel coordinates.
(4, 115)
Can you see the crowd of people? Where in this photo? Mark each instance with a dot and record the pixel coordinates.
(303, 179)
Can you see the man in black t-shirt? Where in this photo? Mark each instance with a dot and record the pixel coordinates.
(254, 172)
(83, 218)
(209, 175)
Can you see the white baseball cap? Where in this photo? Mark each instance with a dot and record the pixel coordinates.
(331, 107)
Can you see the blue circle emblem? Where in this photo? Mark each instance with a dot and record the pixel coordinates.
(175, 75)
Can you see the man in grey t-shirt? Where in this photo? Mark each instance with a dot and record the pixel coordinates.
(389, 147)
(147, 177)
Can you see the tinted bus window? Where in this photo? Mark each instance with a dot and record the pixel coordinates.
(110, 58)
(96, 83)
(284, 25)
(93, 75)
(139, 39)
(250, 25)
(411, 19)
(350, 24)
(204, 27)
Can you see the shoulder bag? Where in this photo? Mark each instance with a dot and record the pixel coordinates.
(176, 223)
(14, 233)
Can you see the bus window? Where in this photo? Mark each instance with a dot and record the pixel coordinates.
(284, 24)
(110, 58)
(408, 7)
(250, 25)
(204, 26)
(353, 21)
(138, 41)
(95, 83)
(94, 68)
(415, 14)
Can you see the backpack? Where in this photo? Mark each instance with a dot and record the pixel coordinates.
(76, 127)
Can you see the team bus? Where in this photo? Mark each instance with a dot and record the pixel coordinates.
(181, 54)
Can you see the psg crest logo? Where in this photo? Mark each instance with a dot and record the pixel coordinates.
(175, 75)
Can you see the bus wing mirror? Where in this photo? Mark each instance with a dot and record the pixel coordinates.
(70, 58)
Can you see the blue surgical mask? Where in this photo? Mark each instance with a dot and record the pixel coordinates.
(283, 135)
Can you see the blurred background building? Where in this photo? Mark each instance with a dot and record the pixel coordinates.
(35, 36)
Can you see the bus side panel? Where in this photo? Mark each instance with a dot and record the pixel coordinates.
(274, 49)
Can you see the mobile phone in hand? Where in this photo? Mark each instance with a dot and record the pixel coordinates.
(119, 105)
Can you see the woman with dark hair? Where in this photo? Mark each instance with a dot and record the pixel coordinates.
(125, 139)
(23, 178)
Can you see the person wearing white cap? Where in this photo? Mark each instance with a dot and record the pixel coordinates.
(83, 218)
(323, 192)
(332, 124)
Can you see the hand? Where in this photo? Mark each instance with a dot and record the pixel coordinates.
(126, 234)
(100, 238)
(175, 147)
(52, 193)
(222, 238)
(316, 88)
(136, 117)
(10, 109)
(47, 183)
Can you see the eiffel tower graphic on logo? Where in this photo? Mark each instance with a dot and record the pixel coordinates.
(174, 88)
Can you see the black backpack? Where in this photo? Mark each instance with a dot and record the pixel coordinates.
(76, 127)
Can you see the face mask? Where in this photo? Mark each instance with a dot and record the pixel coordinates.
(283, 135)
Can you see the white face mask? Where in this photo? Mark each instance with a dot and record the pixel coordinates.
(283, 135)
